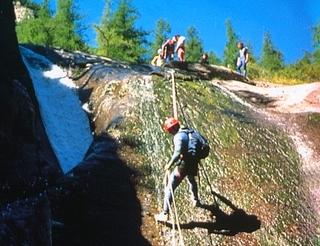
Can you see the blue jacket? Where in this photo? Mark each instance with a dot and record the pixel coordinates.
(180, 153)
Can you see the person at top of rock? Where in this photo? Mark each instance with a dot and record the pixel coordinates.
(180, 46)
(158, 60)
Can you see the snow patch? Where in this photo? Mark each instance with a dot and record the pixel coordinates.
(66, 123)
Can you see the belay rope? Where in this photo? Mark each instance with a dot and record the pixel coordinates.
(175, 101)
(166, 178)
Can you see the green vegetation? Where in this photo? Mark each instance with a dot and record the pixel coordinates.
(194, 45)
(230, 52)
(46, 28)
(252, 164)
(316, 41)
(271, 59)
(118, 38)
(160, 35)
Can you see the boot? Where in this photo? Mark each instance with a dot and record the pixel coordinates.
(196, 204)
(161, 217)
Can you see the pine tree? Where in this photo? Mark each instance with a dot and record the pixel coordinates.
(117, 36)
(39, 30)
(213, 58)
(161, 33)
(70, 34)
(194, 47)
(230, 53)
(47, 30)
(253, 58)
(104, 32)
(271, 58)
(316, 41)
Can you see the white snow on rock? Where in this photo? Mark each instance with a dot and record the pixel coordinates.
(66, 123)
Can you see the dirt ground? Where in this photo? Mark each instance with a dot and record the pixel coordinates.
(295, 103)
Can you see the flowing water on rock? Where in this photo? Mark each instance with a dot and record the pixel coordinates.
(250, 182)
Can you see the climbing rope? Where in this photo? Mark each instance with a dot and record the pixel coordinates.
(175, 212)
(174, 96)
(175, 217)
(176, 102)
(207, 179)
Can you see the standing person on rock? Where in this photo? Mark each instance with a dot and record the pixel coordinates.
(243, 59)
(186, 167)
(180, 46)
(168, 49)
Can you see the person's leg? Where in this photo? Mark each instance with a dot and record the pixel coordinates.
(239, 65)
(181, 54)
(244, 68)
(193, 186)
(174, 181)
(171, 55)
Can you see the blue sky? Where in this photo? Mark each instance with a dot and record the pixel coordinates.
(288, 21)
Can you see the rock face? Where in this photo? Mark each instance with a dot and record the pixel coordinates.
(24, 203)
(96, 202)
(284, 99)
(82, 207)
(207, 72)
(40, 206)
(22, 12)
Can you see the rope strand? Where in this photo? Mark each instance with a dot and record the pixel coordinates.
(175, 113)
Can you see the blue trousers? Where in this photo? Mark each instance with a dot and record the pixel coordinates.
(243, 64)
(175, 179)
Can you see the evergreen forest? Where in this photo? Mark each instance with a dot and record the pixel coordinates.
(118, 37)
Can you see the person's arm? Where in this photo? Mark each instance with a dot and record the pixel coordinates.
(177, 140)
(247, 57)
(165, 44)
(154, 60)
(181, 41)
(164, 48)
(164, 52)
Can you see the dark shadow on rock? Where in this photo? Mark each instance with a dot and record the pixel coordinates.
(206, 72)
(225, 224)
(96, 202)
(243, 118)
(256, 98)
(48, 53)
(84, 94)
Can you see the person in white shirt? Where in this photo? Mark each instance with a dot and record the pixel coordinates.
(180, 46)
(243, 59)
